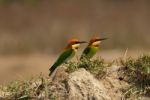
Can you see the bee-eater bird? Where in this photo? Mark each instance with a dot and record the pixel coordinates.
(67, 54)
(92, 48)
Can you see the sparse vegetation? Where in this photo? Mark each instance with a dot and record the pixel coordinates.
(137, 73)
(34, 88)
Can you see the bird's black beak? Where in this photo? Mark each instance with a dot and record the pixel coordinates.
(101, 39)
(82, 42)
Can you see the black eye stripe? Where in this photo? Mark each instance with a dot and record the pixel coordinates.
(97, 39)
(76, 47)
(75, 42)
(97, 45)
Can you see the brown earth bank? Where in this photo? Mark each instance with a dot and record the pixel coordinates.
(95, 79)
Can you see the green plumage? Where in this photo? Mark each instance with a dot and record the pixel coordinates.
(89, 52)
(65, 56)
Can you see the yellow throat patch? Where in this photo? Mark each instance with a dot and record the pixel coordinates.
(96, 44)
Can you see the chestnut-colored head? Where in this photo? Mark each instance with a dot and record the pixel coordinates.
(74, 44)
(95, 41)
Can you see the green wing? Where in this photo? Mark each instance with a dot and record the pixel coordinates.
(89, 52)
(66, 55)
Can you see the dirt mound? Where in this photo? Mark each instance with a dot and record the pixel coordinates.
(82, 85)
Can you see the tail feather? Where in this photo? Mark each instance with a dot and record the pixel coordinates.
(52, 69)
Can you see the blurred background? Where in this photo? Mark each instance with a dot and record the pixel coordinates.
(33, 32)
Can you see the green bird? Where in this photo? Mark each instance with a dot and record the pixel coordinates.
(67, 54)
(92, 48)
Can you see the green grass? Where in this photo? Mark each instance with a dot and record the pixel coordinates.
(96, 66)
(137, 73)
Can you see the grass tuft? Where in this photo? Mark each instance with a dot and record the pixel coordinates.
(96, 66)
(137, 73)
(34, 88)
